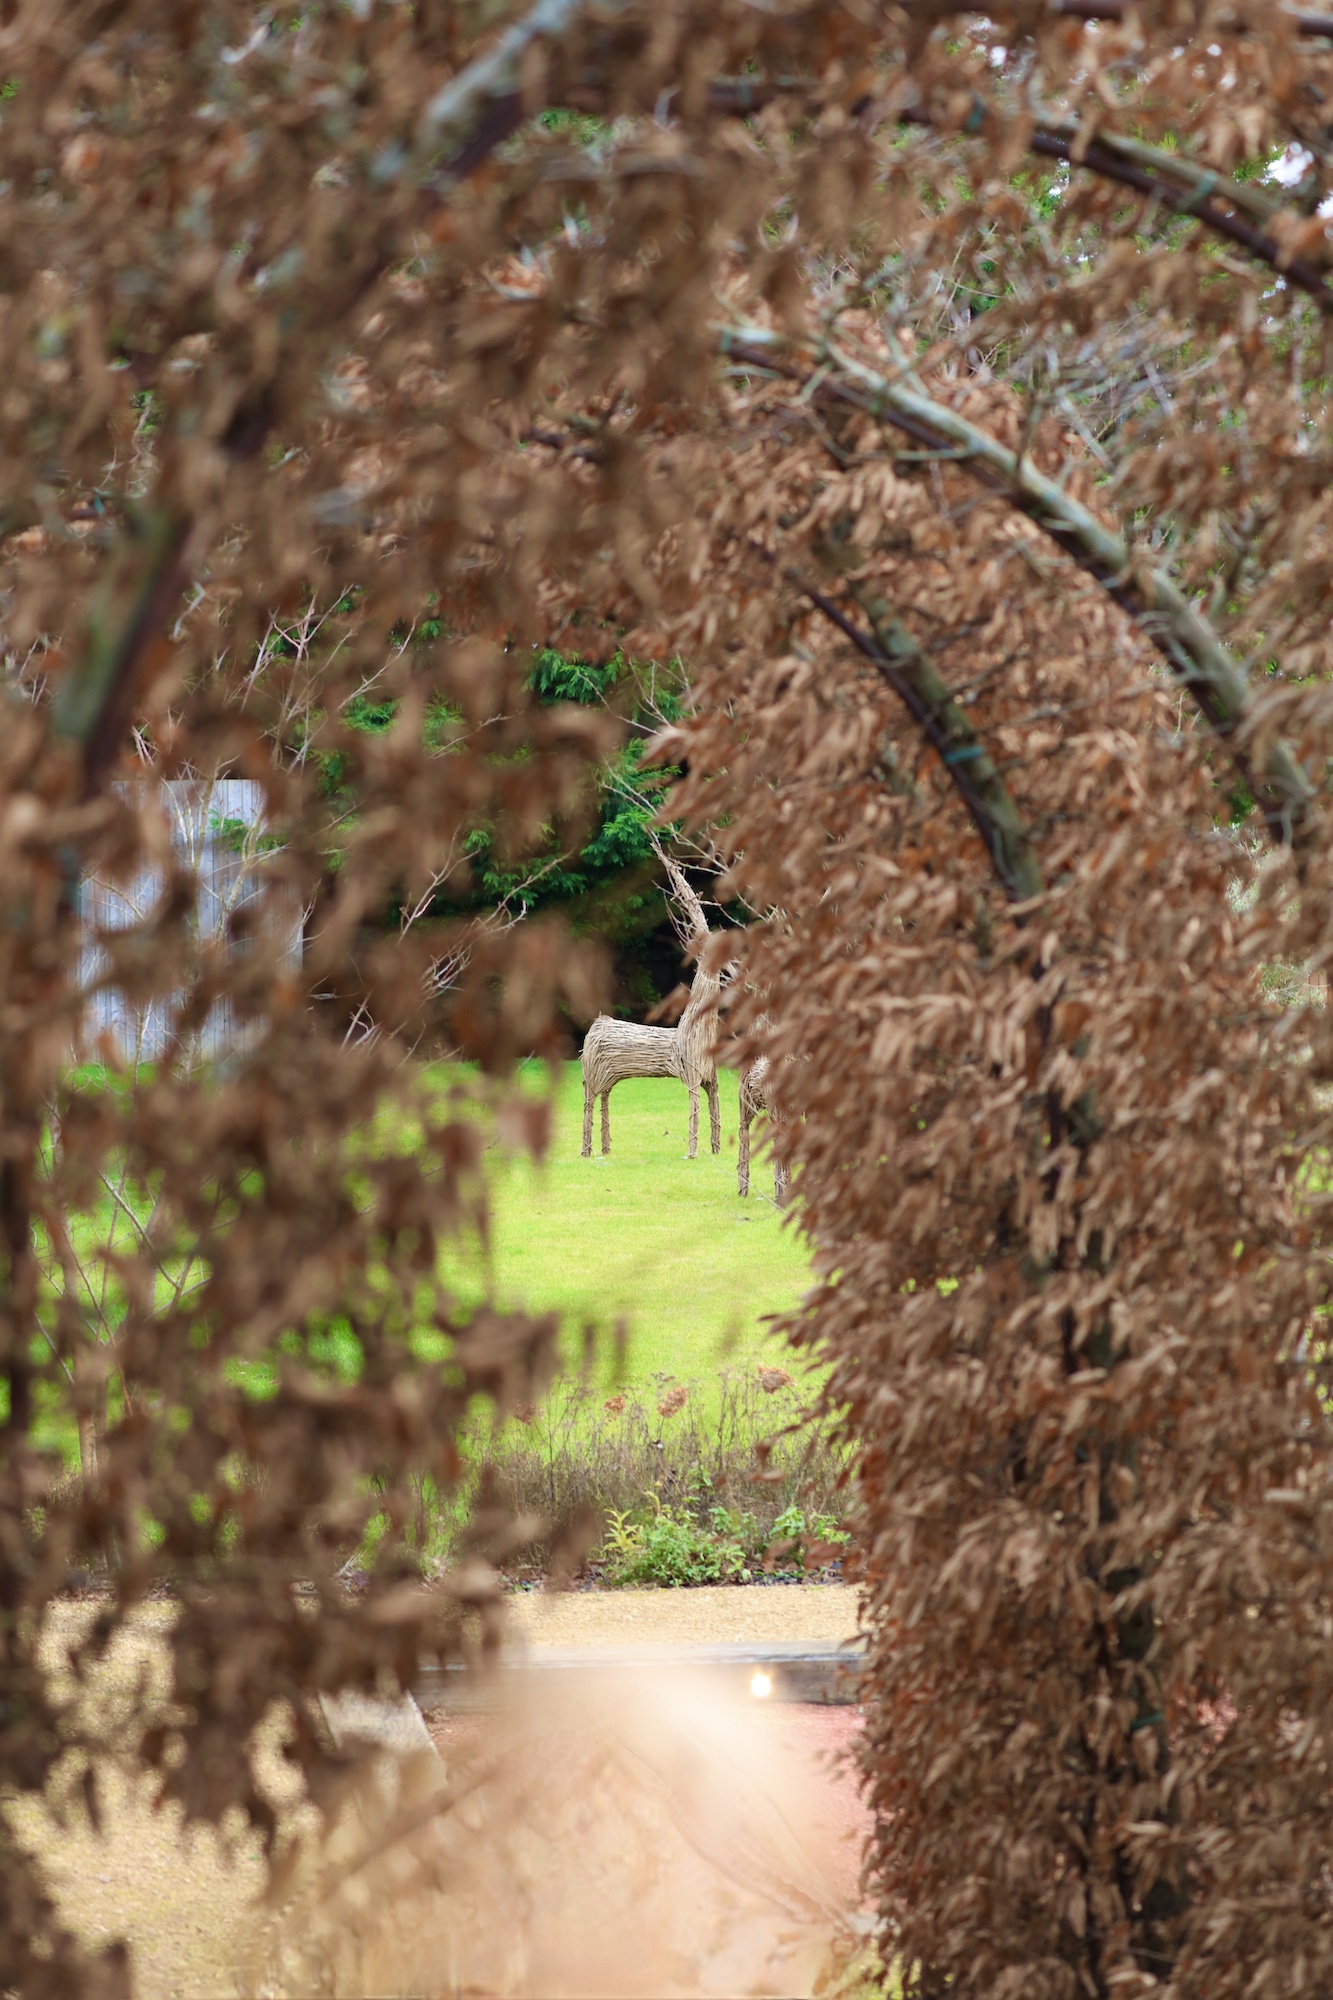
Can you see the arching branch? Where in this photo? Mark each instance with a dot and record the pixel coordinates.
(141, 594)
(489, 96)
(905, 668)
(1211, 199)
(470, 115)
(1186, 641)
(1307, 24)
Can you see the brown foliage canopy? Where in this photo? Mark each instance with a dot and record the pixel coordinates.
(966, 485)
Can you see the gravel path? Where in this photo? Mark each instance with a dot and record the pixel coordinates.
(823, 1739)
(823, 1613)
(187, 1903)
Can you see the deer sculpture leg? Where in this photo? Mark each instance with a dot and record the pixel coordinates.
(606, 1120)
(756, 1101)
(588, 1095)
(693, 1153)
(714, 1115)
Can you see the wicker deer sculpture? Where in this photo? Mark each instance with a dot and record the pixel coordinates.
(614, 1050)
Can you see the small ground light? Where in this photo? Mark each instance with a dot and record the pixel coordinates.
(760, 1686)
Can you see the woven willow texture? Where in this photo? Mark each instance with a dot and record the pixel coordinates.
(613, 1050)
(756, 1102)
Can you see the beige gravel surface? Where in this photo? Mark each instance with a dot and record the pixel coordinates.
(822, 1614)
(184, 1898)
(186, 1901)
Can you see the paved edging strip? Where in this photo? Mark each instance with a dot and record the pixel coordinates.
(821, 1675)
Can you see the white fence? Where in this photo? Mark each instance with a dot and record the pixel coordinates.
(217, 831)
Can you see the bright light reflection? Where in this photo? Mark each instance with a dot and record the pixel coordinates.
(1294, 165)
(760, 1686)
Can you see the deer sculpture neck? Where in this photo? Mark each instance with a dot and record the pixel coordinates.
(697, 1028)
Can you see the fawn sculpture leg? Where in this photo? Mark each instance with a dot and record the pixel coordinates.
(587, 1117)
(743, 1150)
(606, 1119)
(694, 1122)
(714, 1115)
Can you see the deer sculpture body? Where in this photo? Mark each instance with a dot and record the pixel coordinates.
(614, 1050)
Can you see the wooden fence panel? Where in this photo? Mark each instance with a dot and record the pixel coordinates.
(217, 831)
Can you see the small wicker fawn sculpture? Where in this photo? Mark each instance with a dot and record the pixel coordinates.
(756, 1101)
(613, 1050)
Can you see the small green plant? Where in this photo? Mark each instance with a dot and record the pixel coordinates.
(239, 836)
(669, 1547)
(681, 1545)
(797, 1536)
(693, 1483)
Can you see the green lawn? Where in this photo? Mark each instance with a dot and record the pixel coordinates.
(647, 1234)
(644, 1237)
